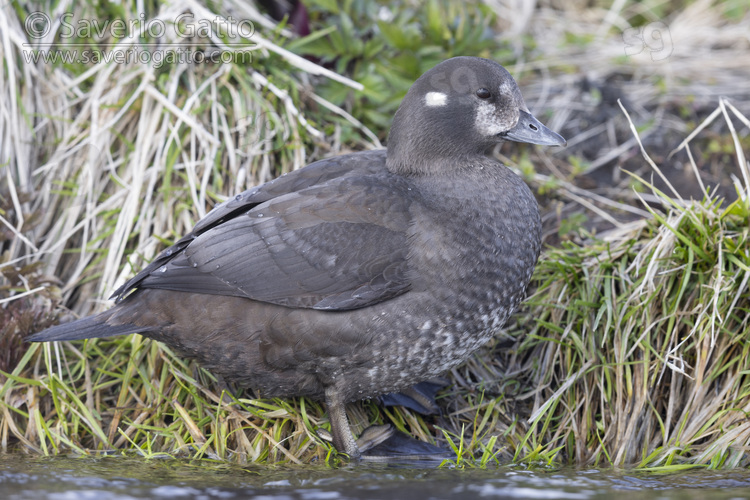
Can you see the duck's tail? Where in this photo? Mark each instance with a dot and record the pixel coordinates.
(86, 328)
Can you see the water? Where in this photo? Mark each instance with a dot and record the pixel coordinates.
(118, 478)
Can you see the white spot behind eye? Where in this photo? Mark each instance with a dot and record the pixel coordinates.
(435, 99)
(505, 88)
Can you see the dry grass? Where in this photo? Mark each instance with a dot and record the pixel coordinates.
(632, 350)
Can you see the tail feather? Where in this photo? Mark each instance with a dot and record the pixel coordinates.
(86, 328)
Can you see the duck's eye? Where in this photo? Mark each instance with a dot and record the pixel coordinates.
(483, 93)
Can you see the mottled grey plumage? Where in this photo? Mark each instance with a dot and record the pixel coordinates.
(361, 274)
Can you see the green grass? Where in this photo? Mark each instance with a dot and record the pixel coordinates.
(641, 342)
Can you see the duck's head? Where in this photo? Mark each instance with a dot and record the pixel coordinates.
(459, 109)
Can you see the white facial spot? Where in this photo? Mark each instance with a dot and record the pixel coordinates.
(435, 99)
(506, 88)
(487, 122)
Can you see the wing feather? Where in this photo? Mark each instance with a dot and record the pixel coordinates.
(338, 244)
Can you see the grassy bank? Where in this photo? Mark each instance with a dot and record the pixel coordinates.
(631, 350)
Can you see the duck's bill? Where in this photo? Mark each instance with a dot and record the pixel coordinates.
(529, 129)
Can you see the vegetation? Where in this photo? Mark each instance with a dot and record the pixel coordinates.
(631, 351)
(639, 342)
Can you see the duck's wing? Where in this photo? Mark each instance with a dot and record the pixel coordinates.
(337, 243)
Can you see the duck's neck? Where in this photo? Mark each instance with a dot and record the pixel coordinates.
(417, 146)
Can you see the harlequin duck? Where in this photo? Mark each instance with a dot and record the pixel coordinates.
(361, 274)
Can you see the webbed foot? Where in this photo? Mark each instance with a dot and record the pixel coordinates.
(419, 397)
(382, 443)
(369, 439)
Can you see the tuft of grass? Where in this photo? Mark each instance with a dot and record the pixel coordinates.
(637, 341)
(640, 341)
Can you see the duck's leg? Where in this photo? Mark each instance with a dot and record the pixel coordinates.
(378, 443)
(343, 439)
